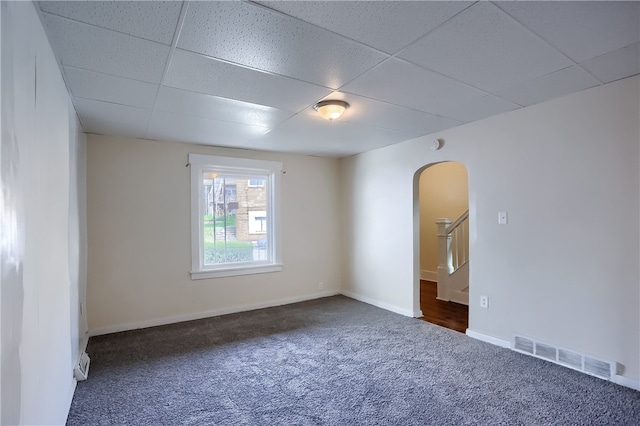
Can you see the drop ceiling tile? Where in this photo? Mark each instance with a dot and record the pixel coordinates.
(485, 48)
(185, 128)
(306, 133)
(375, 113)
(197, 73)
(615, 65)
(104, 127)
(110, 112)
(96, 49)
(401, 83)
(581, 30)
(109, 88)
(559, 83)
(259, 38)
(387, 26)
(479, 108)
(152, 20)
(207, 106)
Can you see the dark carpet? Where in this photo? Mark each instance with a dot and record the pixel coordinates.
(332, 361)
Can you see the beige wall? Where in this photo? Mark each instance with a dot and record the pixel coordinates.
(139, 236)
(444, 193)
(565, 268)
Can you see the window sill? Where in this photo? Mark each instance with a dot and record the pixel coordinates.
(231, 272)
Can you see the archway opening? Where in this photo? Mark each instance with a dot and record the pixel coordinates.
(442, 232)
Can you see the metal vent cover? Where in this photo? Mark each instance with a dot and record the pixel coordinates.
(569, 358)
(597, 368)
(523, 344)
(545, 351)
(572, 359)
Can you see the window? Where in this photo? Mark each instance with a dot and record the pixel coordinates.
(258, 222)
(234, 211)
(256, 183)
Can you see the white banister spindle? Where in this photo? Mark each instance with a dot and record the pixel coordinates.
(452, 254)
(444, 257)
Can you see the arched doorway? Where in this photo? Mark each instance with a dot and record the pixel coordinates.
(443, 193)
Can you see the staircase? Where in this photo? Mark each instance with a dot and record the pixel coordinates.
(453, 259)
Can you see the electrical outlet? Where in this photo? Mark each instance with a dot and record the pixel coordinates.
(484, 302)
(321, 286)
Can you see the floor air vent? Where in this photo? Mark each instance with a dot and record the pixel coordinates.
(523, 344)
(545, 351)
(570, 359)
(595, 367)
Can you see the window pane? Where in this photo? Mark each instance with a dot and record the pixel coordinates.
(235, 220)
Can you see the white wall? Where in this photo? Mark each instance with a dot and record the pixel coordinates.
(77, 235)
(565, 268)
(139, 236)
(40, 226)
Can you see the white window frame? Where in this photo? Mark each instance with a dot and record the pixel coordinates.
(200, 163)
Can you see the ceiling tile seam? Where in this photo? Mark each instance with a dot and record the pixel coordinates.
(63, 64)
(228, 99)
(618, 79)
(538, 36)
(589, 72)
(294, 113)
(541, 76)
(59, 62)
(400, 132)
(176, 35)
(110, 103)
(237, 64)
(109, 121)
(109, 74)
(605, 53)
(395, 55)
(212, 119)
(370, 126)
(436, 115)
(448, 77)
(277, 12)
(505, 13)
(285, 120)
(425, 35)
(103, 28)
(364, 72)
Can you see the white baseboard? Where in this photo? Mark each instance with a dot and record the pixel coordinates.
(383, 305)
(428, 275)
(620, 380)
(213, 313)
(489, 339)
(626, 382)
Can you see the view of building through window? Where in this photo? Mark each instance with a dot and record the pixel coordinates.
(234, 218)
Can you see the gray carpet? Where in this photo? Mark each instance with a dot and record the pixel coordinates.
(332, 361)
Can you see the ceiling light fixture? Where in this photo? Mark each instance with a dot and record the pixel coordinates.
(331, 109)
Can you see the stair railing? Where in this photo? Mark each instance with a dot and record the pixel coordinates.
(459, 232)
(453, 253)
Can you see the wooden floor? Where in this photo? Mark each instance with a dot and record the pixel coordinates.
(446, 314)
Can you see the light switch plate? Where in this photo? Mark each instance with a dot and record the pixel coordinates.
(502, 218)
